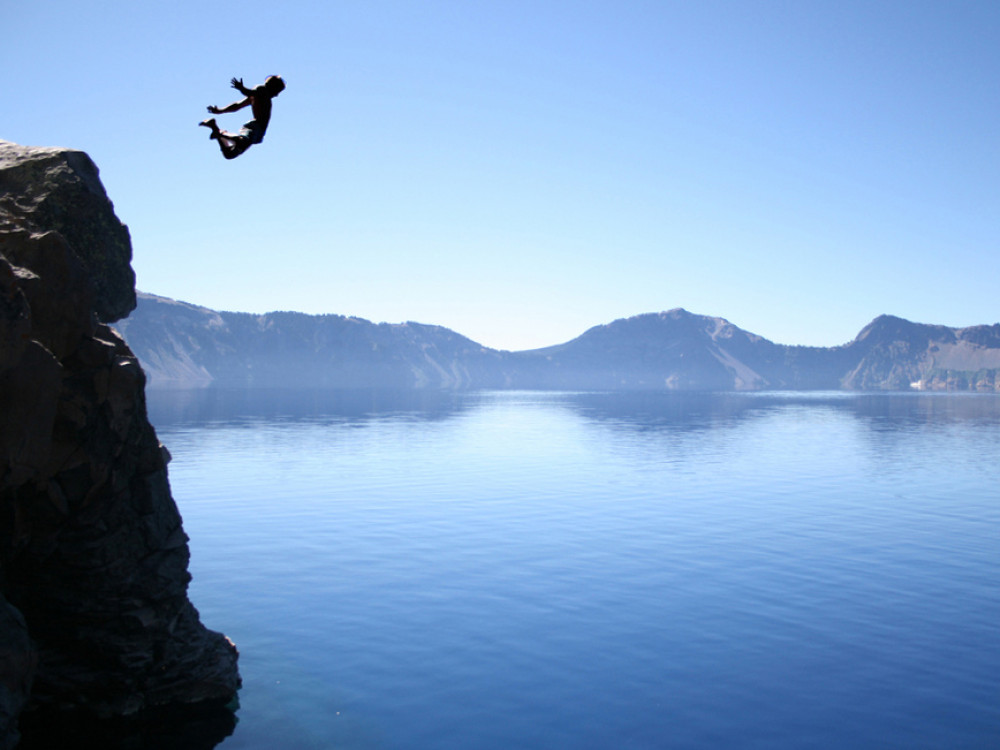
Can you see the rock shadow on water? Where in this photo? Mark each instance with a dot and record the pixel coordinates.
(200, 727)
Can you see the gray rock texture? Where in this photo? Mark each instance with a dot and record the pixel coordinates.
(94, 614)
(58, 189)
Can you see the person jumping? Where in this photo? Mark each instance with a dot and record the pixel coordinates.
(259, 99)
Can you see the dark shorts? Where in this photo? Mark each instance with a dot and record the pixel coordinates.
(252, 131)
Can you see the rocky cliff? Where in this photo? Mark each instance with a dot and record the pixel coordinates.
(893, 353)
(94, 614)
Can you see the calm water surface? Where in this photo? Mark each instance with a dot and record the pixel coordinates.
(530, 570)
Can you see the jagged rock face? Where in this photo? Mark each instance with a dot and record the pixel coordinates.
(93, 558)
(55, 189)
(892, 353)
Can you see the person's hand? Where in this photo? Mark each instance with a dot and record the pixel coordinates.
(213, 109)
(237, 84)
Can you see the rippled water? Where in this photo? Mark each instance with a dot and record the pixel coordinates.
(529, 570)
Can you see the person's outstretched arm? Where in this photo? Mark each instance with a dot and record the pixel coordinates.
(230, 107)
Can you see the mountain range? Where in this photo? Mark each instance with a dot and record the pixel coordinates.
(183, 345)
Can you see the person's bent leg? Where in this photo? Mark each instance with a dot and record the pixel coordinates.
(232, 145)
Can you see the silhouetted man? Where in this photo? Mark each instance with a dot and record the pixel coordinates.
(259, 100)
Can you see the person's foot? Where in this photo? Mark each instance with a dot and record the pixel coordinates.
(210, 123)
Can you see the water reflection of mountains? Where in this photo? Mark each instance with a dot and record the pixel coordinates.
(637, 410)
(705, 410)
(171, 408)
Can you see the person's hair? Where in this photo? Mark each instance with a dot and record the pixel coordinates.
(274, 85)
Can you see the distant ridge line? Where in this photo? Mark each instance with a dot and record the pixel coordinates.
(184, 345)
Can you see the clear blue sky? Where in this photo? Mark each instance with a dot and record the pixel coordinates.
(521, 171)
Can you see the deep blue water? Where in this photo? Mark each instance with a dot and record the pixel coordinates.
(537, 570)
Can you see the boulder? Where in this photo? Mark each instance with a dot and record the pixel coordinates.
(46, 189)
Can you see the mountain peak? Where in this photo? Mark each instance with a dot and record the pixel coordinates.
(887, 328)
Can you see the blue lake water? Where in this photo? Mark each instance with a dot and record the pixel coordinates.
(540, 570)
